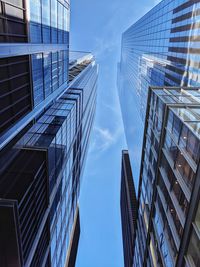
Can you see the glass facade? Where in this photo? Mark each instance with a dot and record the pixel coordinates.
(161, 48)
(49, 21)
(128, 204)
(42, 177)
(47, 106)
(169, 187)
(49, 72)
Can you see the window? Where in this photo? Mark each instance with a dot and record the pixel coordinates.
(60, 23)
(54, 13)
(170, 147)
(47, 73)
(54, 70)
(184, 169)
(15, 93)
(12, 22)
(193, 146)
(176, 128)
(46, 21)
(35, 21)
(37, 73)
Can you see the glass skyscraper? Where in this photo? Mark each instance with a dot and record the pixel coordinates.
(128, 204)
(162, 49)
(168, 232)
(47, 107)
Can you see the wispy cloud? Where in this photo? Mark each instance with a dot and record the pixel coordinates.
(104, 138)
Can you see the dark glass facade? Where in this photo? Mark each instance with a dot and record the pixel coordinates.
(161, 48)
(47, 107)
(41, 173)
(169, 188)
(128, 203)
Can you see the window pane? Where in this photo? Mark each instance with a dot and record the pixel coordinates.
(47, 74)
(16, 2)
(35, 21)
(14, 12)
(54, 11)
(37, 68)
(46, 20)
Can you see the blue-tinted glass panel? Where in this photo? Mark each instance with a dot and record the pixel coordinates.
(46, 21)
(54, 71)
(35, 21)
(60, 23)
(47, 74)
(37, 72)
(54, 18)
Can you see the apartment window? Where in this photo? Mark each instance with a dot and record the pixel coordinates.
(193, 146)
(176, 128)
(12, 22)
(170, 121)
(15, 93)
(189, 143)
(184, 169)
(170, 147)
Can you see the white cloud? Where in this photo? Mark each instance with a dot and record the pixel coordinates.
(104, 138)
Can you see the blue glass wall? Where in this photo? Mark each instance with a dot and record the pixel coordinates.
(161, 48)
(49, 21)
(49, 72)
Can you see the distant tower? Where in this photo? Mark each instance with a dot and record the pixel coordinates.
(128, 205)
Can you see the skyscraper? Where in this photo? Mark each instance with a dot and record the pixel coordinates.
(47, 106)
(169, 189)
(128, 203)
(161, 48)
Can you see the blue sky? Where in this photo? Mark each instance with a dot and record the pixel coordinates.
(96, 26)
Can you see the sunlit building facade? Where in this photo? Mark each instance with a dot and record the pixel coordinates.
(168, 232)
(161, 48)
(47, 107)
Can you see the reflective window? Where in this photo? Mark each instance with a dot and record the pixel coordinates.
(46, 21)
(35, 21)
(184, 169)
(54, 70)
(54, 13)
(47, 73)
(37, 73)
(60, 22)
